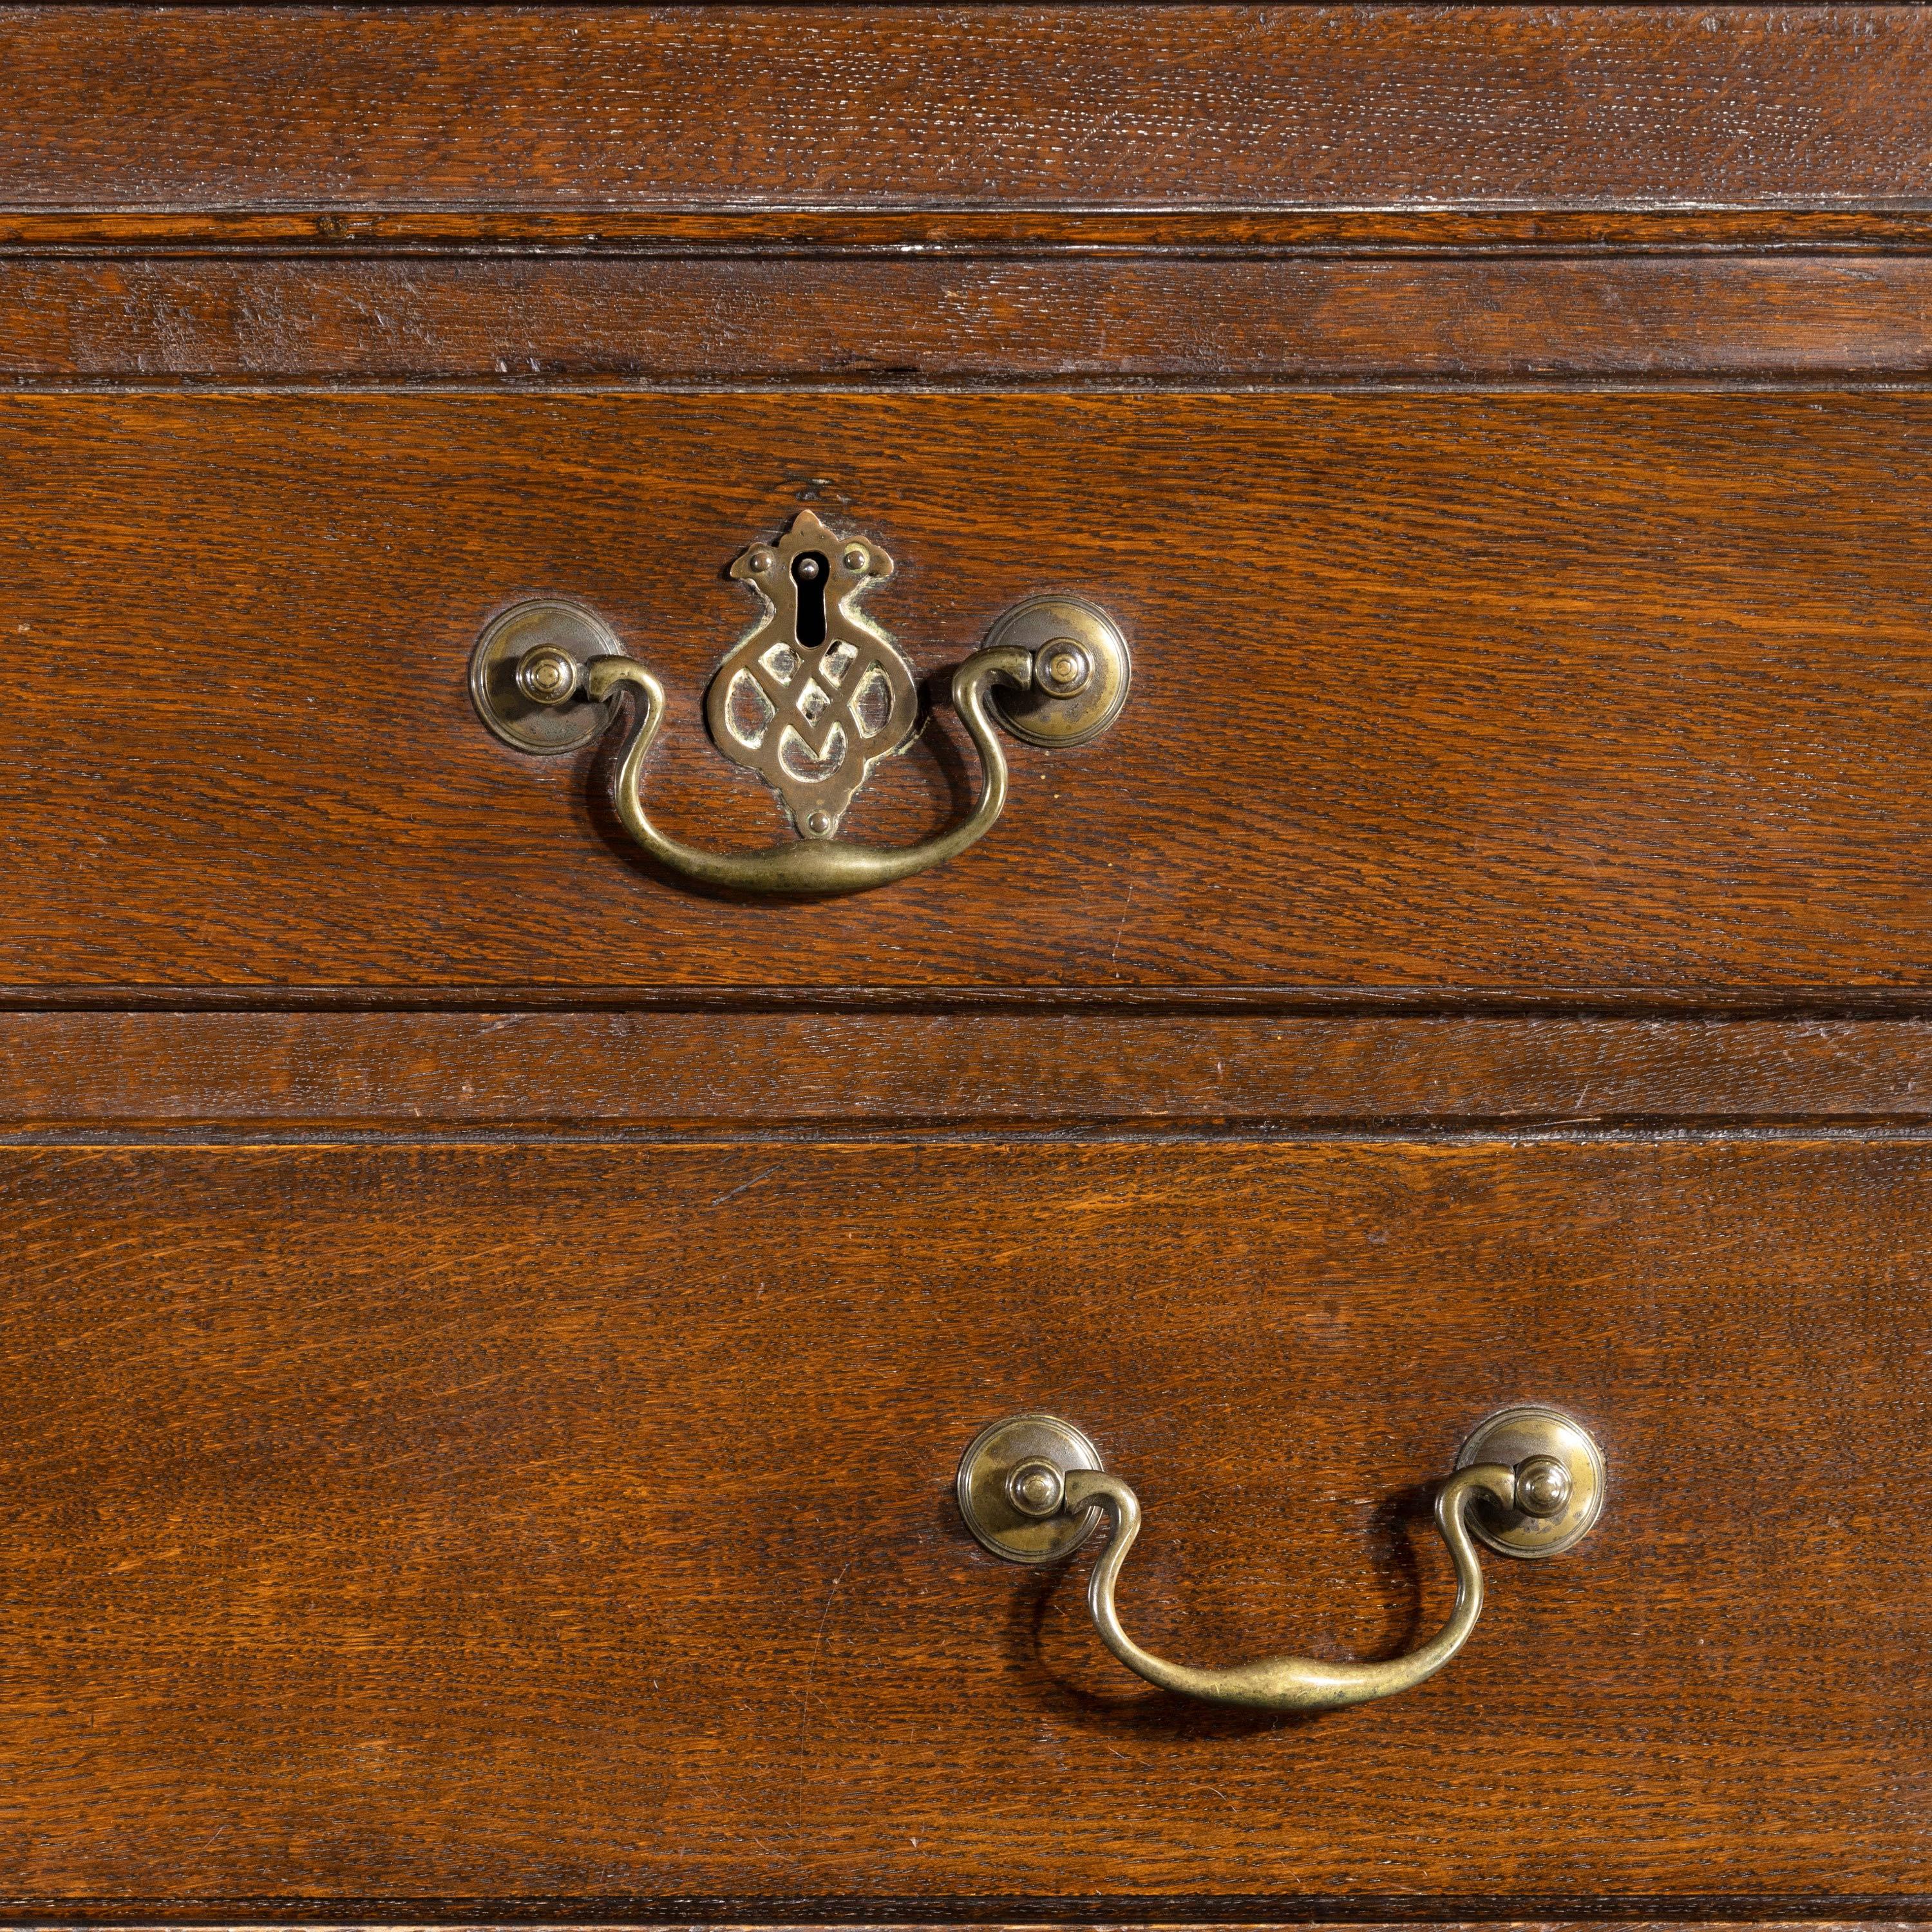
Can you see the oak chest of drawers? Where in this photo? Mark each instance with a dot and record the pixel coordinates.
(799, 798)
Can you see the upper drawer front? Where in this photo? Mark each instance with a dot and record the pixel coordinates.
(1519, 692)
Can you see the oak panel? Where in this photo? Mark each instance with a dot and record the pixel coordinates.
(1512, 693)
(574, 1523)
(1880, 1915)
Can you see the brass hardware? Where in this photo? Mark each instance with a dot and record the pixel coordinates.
(814, 695)
(1559, 1486)
(1080, 671)
(996, 1494)
(526, 675)
(810, 699)
(1031, 1489)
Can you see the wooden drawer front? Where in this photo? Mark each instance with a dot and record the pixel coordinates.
(575, 1522)
(1503, 692)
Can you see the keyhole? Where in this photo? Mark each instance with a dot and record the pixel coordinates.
(807, 572)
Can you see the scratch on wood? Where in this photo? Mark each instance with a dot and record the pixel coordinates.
(743, 1187)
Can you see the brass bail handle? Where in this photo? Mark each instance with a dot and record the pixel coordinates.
(1528, 1483)
(810, 699)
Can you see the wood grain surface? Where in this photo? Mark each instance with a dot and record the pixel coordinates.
(1824, 1913)
(1040, 318)
(1520, 693)
(575, 1523)
(1704, 1912)
(1059, 107)
(424, 233)
(487, 1332)
(811, 1070)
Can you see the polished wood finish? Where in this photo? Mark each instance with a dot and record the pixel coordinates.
(590, 1073)
(1882, 1913)
(392, 1522)
(488, 1332)
(1515, 693)
(426, 233)
(1042, 317)
(1050, 106)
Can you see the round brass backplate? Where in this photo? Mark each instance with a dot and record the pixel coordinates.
(992, 1513)
(1072, 641)
(1514, 1435)
(519, 720)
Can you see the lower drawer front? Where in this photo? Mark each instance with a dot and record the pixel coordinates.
(575, 1521)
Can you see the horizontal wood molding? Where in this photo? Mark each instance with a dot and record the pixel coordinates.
(1030, 319)
(1188, 1914)
(591, 1072)
(843, 108)
(418, 232)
